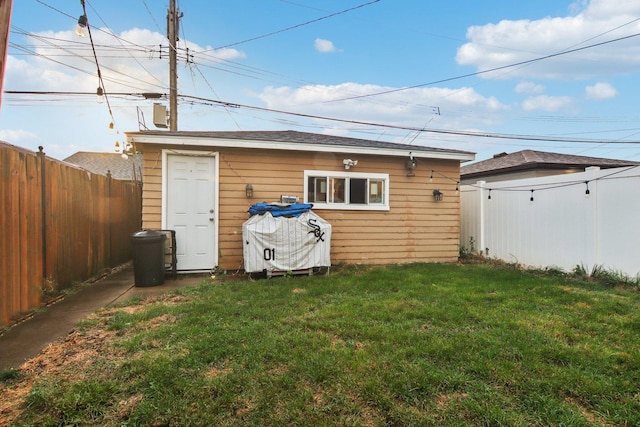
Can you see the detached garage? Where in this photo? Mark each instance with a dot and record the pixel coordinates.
(379, 197)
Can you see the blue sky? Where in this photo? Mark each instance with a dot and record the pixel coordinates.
(419, 70)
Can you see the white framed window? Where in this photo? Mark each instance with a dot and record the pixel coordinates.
(346, 190)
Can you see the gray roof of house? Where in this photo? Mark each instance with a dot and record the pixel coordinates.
(530, 160)
(290, 136)
(101, 163)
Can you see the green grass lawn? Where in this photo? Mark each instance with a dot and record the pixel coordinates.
(422, 344)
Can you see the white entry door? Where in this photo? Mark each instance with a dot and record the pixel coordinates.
(191, 210)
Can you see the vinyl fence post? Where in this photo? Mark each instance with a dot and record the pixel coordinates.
(591, 224)
(482, 217)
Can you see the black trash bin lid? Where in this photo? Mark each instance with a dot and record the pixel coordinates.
(148, 234)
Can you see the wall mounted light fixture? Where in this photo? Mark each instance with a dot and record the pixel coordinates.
(248, 191)
(348, 163)
(411, 164)
(437, 195)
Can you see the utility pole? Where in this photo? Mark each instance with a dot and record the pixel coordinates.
(172, 35)
(5, 21)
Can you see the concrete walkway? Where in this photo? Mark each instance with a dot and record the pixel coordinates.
(25, 340)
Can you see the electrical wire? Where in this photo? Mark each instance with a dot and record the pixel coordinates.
(477, 73)
(151, 15)
(127, 50)
(417, 129)
(93, 48)
(431, 108)
(193, 65)
(542, 187)
(74, 53)
(294, 26)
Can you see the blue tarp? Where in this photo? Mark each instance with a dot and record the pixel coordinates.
(293, 210)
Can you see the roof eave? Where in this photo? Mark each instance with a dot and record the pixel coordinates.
(208, 141)
(530, 167)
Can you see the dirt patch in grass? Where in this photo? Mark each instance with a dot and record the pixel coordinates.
(588, 414)
(168, 299)
(66, 359)
(127, 406)
(156, 322)
(219, 370)
(445, 399)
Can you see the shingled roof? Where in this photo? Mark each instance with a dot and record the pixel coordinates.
(526, 160)
(290, 138)
(101, 163)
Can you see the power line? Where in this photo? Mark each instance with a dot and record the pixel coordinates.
(418, 129)
(74, 53)
(145, 95)
(477, 73)
(192, 65)
(101, 89)
(127, 50)
(294, 26)
(151, 15)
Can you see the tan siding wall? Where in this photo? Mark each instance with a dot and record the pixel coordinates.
(415, 229)
(152, 187)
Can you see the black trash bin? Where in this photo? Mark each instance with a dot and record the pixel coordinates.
(148, 257)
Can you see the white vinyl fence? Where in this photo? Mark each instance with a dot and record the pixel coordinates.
(562, 227)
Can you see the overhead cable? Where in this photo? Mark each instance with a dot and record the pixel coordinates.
(477, 73)
(418, 129)
(294, 26)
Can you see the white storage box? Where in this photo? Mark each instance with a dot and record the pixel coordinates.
(286, 244)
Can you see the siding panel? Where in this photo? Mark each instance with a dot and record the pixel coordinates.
(415, 229)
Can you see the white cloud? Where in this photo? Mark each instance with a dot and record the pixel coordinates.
(576, 7)
(529, 87)
(130, 63)
(601, 91)
(547, 103)
(324, 46)
(16, 136)
(448, 108)
(64, 62)
(509, 42)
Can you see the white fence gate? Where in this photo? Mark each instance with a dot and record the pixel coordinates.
(562, 227)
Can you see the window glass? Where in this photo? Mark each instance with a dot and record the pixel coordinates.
(347, 190)
(376, 191)
(337, 186)
(358, 191)
(317, 189)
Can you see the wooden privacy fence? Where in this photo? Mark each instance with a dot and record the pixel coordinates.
(59, 225)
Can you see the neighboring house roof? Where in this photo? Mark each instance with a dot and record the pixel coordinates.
(527, 160)
(293, 140)
(101, 163)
